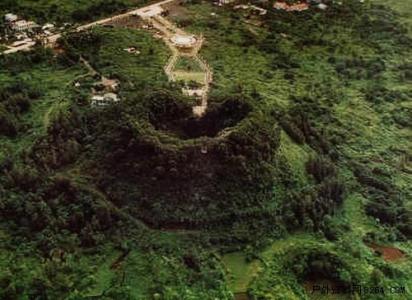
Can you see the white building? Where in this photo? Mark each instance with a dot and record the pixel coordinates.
(10, 17)
(322, 6)
(48, 26)
(23, 25)
(222, 2)
(104, 100)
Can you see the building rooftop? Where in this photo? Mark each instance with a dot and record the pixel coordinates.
(10, 17)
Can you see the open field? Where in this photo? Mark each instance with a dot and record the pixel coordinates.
(189, 76)
(187, 64)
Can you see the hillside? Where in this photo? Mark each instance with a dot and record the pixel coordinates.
(292, 182)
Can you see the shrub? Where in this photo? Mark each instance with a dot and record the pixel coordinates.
(8, 123)
(320, 168)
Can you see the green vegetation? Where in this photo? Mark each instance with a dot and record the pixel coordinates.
(26, 97)
(188, 70)
(241, 271)
(65, 11)
(185, 76)
(298, 169)
(104, 49)
(188, 64)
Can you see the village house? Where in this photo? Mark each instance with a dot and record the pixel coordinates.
(10, 18)
(105, 100)
(23, 25)
(223, 2)
(48, 26)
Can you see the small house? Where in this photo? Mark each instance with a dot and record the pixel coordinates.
(105, 100)
(322, 6)
(48, 26)
(10, 18)
(223, 2)
(23, 25)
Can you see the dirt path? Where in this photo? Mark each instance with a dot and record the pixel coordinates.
(92, 71)
(24, 47)
(201, 109)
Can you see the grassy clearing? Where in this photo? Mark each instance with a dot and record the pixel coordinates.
(296, 157)
(53, 111)
(134, 275)
(145, 69)
(190, 76)
(404, 8)
(241, 272)
(52, 81)
(353, 209)
(187, 64)
(104, 275)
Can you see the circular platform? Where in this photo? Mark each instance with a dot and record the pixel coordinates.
(183, 41)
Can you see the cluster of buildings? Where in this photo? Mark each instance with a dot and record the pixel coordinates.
(300, 5)
(19, 32)
(279, 5)
(20, 29)
(18, 25)
(104, 92)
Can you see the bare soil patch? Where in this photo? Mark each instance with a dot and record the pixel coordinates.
(388, 253)
(131, 22)
(175, 10)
